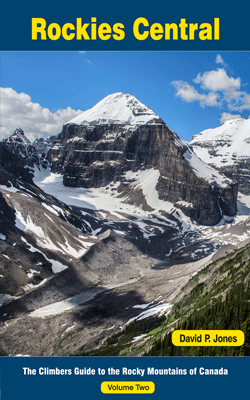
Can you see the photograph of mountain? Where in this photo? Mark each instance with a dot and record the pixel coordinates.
(124, 201)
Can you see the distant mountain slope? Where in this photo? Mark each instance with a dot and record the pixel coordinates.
(42, 145)
(19, 156)
(228, 149)
(119, 139)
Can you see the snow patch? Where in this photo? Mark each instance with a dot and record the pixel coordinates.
(6, 298)
(65, 305)
(57, 266)
(204, 171)
(146, 181)
(11, 189)
(159, 309)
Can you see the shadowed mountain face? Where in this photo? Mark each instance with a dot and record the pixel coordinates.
(99, 147)
(18, 156)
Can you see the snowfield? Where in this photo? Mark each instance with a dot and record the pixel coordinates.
(104, 198)
(203, 170)
(107, 202)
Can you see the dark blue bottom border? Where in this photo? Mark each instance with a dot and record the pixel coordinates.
(30, 378)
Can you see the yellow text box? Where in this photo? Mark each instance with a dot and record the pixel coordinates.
(208, 338)
(128, 387)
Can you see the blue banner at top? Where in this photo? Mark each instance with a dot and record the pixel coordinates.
(123, 26)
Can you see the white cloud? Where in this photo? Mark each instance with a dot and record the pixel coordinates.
(216, 88)
(218, 81)
(189, 94)
(227, 117)
(17, 110)
(219, 59)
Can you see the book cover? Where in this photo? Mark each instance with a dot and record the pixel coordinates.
(124, 200)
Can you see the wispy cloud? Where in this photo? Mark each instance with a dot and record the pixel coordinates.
(219, 59)
(86, 59)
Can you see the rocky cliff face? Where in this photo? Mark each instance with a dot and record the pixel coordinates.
(42, 145)
(119, 137)
(239, 172)
(227, 148)
(18, 155)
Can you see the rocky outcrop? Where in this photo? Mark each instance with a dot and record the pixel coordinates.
(42, 146)
(18, 156)
(239, 172)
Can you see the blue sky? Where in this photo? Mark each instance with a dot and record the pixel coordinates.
(190, 91)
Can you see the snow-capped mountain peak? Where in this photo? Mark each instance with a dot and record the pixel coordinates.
(227, 148)
(116, 108)
(18, 137)
(225, 144)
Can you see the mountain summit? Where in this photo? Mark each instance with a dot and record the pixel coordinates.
(120, 141)
(226, 144)
(18, 155)
(18, 138)
(227, 147)
(116, 108)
